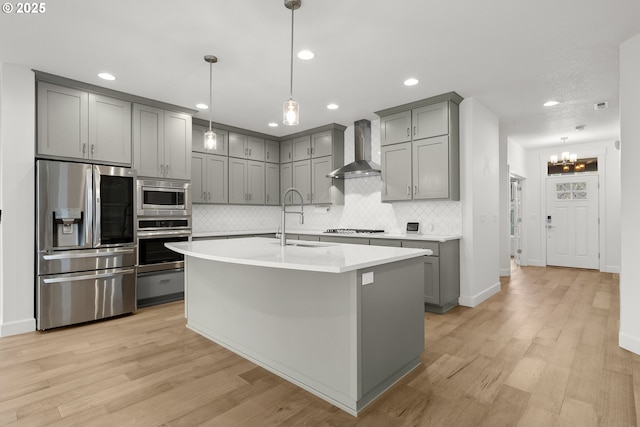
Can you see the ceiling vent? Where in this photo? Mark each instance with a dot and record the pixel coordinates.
(600, 105)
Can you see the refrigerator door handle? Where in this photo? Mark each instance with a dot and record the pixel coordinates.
(88, 220)
(88, 276)
(88, 254)
(96, 203)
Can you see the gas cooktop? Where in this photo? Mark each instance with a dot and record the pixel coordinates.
(352, 231)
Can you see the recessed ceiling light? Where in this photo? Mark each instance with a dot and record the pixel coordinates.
(202, 106)
(107, 76)
(306, 55)
(411, 82)
(550, 103)
(580, 128)
(273, 125)
(333, 106)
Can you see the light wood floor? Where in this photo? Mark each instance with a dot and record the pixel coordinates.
(543, 352)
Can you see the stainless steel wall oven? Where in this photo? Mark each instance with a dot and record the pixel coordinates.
(164, 217)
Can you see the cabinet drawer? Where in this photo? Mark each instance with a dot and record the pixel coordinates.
(422, 244)
(309, 238)
(348, 240)
(385, 242)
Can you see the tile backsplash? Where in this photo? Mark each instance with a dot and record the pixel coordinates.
(362, 209)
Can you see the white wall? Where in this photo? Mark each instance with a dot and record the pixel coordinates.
(504, 260)
(629, 335)
(17, 167)
(480, 189)
(516, 158)
(535, 249)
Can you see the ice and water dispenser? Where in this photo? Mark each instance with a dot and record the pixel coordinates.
(68, 229)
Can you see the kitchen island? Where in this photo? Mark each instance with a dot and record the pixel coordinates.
(344, 322)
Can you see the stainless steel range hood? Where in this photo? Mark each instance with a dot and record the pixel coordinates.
(363, 166)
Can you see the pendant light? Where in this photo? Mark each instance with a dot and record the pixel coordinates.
(291, 110)
(210, 139)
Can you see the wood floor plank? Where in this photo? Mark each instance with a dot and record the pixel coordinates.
(542, 352)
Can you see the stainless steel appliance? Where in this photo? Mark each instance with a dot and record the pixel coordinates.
(160, 199)
(86, 242)
(164, 216)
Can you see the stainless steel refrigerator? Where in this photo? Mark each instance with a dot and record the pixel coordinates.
(86, 242)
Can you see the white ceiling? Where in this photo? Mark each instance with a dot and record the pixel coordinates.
(511, 55)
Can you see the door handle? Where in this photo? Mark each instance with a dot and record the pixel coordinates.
(84, 148)
(249, 152)
(166, 170)
(415, 190)
(408, 190)
(408, 132)
(93, 149)
(414, 130)
(209, 195)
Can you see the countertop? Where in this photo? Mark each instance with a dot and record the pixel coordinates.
(391, 236)
(309, 256)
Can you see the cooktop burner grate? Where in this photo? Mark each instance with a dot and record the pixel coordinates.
(353, 231)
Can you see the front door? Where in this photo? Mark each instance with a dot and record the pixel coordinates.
(572, 221)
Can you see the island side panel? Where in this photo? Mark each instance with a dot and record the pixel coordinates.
(300, 325)
(392, 326)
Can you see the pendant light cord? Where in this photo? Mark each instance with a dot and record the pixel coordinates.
(210, 93)
(291, 80)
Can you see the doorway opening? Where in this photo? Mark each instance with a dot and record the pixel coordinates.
(515, 217)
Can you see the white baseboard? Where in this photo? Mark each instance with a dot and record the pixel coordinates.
(475, 300)
(612, 269)
(537, 263)
(629, 343)
(17, 327)
(505, 272)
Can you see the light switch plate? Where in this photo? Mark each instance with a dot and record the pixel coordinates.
(367, 278)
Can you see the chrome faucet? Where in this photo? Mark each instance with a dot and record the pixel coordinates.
(283, 235)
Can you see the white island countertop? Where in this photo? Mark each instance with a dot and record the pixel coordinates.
(298, 255)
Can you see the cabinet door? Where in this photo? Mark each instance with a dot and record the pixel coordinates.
(255, 182)
(302, 180)
(286, 151)
(431, 280)
(272, 182)
(431, 168)
(237, 181)
(321, 144)
(395, 128)
(272, 151)
(197, 140)
(396, 173)
(198, 177)
(286, 181)
(302, 148)
(255, 148)
(177, 145)
(148, 140)
(320, 184)
(431, 120)
(217, 175)
(62, 121)
(109, 129)
(238, 145)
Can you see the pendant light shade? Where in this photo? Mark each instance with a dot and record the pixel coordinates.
(291, 109)
(210, 138)
(291, 113)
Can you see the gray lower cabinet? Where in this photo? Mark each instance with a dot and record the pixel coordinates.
(348, 240)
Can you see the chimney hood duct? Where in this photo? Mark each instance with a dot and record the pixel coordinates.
(363, 166)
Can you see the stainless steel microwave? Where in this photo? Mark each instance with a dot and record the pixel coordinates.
(163, 198)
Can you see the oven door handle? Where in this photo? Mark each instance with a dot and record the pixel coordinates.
(163, 233)
(89, 254)
(88, 276)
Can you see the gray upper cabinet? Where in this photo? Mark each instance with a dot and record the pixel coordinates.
(302, 148)
(321, 144)
(431, 168)
(430, 120)
(197, 140)
(272, 151)
(286, 151)
(209, 175)
(246, 147)
(272, 184)
(76, 124)
(161, 143)
(302, 179)
(395, 128)
(321, 186)
(286, 181)
(396, 175)
(246, 181)
(431, 127)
